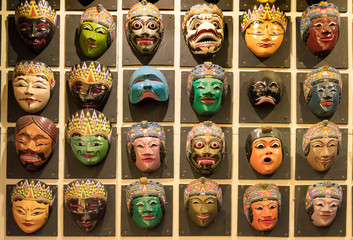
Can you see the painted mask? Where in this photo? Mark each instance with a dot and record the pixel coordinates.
(264, 30)
(148, 82)
(264, 150)
(145, 200)
(33, 83)
(36, 23)
(32, 202)
(207, 88)
(90, 84)
(203, 201)
(35, 141)
(86, 199)
(262, 205)
(146, 145)
(322, 91)
(203, 29)
(205, 147)
(96, 31)
(323, 200)
(265, 87)
(89, 134)
(319, 28)
(144, 27)
(321, 144)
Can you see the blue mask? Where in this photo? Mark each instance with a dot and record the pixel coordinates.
(324, 100)
(148, 82)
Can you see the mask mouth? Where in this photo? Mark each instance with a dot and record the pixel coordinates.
(203, 217)
(268, 160)
(324, 160)
(35, 42)
(88, 105)
(145, 41)
(265, 45)
(264, 99)
(90, 44)
(148, 159)
(327, 103)
(30, 158)
(208, 100)
(26, 224)
(205, 38)
(29, 100)
(327, 38)
(267, 220)
(326, 216)
(148, 217)
(206, 161)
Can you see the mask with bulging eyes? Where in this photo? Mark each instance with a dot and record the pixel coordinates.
(265, 87)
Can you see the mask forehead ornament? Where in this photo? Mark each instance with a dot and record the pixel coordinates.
(203, 29)
(86, 199)
(205, 147)
(264, 29)
(322, 91)
(90, 84)
(319, 27)
(148, 82)
(96, 30)
(144, 27)
(207, 193)
(269, 196)
(146, 201)
(329, 195)
(36, 22)
(29, 194)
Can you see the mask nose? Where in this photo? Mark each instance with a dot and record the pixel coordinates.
(147, 208)
(89, 96)
(34, 31)
(326, 28)
(147, 85)
(203, 209)
(85, 217)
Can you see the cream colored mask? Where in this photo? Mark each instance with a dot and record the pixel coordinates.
(33, 83)
(32, 201)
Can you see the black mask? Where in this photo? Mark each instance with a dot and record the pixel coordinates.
(90, 95)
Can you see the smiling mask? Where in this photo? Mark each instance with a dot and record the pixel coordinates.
(144, 28)
(323, 200)
(262, 205)
(96, 31)
(146, 145)
(36, 22)
(207, 88)
(33, 84)
(89, 134)
(32, 202)
(264, 150)
(319, 28)
(322, 91)
(90, 84)
(86, 199)
(146, 202)
(321, 144)
(264, 29)
(148, 82)
(205, 147)
(203, 29)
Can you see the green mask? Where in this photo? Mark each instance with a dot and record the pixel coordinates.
(147, 212)
(90, 150)
(93, 39)
(208, 96)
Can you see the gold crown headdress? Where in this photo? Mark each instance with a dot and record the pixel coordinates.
(85, 188)
(88, 73)
(89, 122)
(33, 9)
(32, 190)
(263, 13)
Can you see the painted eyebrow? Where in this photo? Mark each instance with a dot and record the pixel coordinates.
(19, 207)
(38, 208)
(38, 136)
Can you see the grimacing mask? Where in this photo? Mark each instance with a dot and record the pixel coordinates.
(262, 205)
(96, 31)
(321, 144)
(203, 201)
(203, 29)
(205, 147)
(264, 29)
(36, 22)
(35, 140)
(144, 28)
(32, 202)
(319, 28)
(86, 200)
(33, 84)
(89, 134)
(146, 202)
(148, 82)
(322, 91)
(264, 150)
(207, 88)
(265, 87)
(146, 145)
(90, 83)
(323, 200)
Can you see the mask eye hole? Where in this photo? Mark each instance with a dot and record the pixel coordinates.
(214, 145)
(197, 25)
(199, 145)
(215, 24)
(137, 25)
(152, 25)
